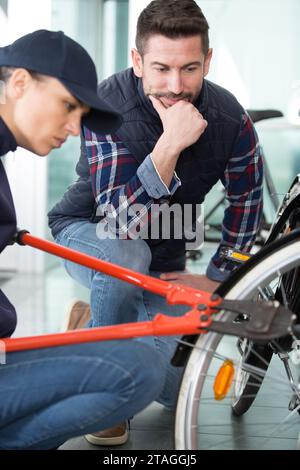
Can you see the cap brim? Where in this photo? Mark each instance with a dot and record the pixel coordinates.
(101, 118)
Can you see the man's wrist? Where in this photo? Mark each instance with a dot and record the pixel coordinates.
(170, 150)
(153, 183)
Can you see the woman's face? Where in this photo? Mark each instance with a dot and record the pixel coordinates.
(45, 114)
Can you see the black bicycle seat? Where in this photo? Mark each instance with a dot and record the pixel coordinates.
(261, 114)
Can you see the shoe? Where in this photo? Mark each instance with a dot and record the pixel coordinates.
(115, 436)
(77, 315)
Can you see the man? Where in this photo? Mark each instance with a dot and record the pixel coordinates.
(180, 135)
(49, 84)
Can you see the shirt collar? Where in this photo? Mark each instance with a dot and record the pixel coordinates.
(7, 141)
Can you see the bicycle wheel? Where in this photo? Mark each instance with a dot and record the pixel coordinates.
(204, 423)
(260, 355)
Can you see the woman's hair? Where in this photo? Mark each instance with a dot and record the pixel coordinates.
(173, 19)
(6, 72)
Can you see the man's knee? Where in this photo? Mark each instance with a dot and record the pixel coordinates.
(132, 254)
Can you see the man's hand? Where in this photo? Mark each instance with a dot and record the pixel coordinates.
(198, 281)
(182, 123)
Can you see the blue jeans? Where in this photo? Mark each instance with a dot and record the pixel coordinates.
(113, 301)
(50, 395)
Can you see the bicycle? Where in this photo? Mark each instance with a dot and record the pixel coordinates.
(271, 274)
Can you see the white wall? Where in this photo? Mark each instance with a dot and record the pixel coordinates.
(135, 8)
(256, 49)
(109, 25)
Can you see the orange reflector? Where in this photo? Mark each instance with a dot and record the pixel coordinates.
(223, 380)
(240, 256)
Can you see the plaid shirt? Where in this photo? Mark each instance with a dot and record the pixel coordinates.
(118, 181)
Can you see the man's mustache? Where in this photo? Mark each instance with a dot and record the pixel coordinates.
(173, 96)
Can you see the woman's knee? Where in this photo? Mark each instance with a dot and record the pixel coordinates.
(149, 369)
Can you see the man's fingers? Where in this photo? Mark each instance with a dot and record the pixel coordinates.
(157, 105)
(169, 276)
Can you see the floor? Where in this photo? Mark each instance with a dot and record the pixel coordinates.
(41, 302)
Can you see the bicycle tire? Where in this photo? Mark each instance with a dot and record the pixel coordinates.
(280, 256)
(260, 356)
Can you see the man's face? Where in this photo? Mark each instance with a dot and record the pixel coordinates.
(45, 115)
(172, 69)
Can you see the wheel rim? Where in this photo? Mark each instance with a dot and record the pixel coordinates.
(189, 418)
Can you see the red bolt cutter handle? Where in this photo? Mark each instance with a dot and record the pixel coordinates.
(190, 323)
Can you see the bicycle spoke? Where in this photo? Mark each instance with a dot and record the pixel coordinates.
(248, 368)
(283, 294)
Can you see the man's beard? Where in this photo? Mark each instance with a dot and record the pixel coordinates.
(190, 97)
(173, 96)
